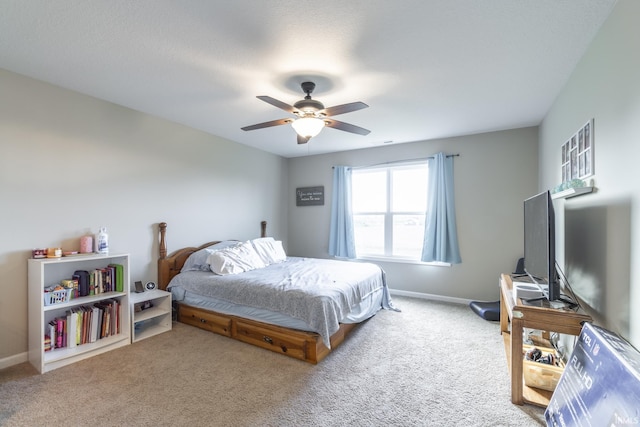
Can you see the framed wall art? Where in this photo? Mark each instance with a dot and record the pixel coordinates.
(310, 196)
(577, 154)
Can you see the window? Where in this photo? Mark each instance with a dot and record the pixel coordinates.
(389, 205)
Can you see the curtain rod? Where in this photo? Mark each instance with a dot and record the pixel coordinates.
(400, 161)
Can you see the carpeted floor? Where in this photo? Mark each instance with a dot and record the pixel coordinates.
(433, 364)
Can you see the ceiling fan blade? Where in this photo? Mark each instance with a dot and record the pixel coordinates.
(347, 127)
(268, 124)
(303, 139)
(284, 106)
(344, 108)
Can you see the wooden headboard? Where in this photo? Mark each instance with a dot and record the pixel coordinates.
(169, 266)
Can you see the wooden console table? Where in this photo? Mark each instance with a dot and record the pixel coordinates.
(526, 316)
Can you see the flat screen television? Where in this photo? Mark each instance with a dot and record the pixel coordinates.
(540, 244)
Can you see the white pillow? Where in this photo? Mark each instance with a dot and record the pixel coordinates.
(280, 255)
(235, 259)
(269, 250)
(198, 260)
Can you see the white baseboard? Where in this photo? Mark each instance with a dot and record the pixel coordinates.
(430, 296)
(16, 359)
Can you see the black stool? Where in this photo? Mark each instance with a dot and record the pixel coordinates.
(486, 310)
(491, 310)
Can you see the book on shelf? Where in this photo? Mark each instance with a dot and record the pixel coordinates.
(95, 313)
(119, 318)
(51, 335)
(107, 277)
(119, 276)
(60, 333)
(82, 336)
(79, 324)
(106, 322)
(104, 279)
(84, 324)
(72, 327)
(111, 312)
(97, 281)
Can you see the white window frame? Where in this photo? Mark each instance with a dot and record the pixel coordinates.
(389, 215)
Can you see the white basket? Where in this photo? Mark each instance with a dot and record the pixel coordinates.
(57, 297)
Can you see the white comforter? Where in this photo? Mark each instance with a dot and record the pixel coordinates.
(319, 292)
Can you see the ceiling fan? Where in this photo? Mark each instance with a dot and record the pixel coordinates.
(311, 115)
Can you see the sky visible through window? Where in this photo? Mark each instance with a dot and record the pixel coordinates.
(389, 206)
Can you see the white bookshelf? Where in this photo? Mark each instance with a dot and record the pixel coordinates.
(154, 320)
(50, 271)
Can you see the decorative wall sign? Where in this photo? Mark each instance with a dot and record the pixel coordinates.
(577, 154)
(310, 196)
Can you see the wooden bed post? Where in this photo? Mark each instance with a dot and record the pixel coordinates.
(163, 266)
(163, 244)
(263, 229)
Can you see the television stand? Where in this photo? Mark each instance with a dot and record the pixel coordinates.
(532, 300)
(520, 315)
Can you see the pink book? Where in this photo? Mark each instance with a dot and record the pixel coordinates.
(60, 333)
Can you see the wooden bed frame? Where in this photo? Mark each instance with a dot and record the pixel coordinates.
(306, 346)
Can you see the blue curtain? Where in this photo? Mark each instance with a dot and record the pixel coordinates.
(440, 233)
(341, 240)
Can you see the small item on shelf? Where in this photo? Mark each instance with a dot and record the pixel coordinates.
(102, 241)
(533, 353)
(572, 188)
(39, 253)
(57, 295)
(54, 252)
(86, 244)
(139, 287)
(541, 367)
(548, 359)
(574, 183)
(84, 282)
(141, 306)
(70, 284)
(139, 326)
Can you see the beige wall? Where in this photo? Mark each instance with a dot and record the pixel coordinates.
(70, 164)
(600, 253)
(494, 174)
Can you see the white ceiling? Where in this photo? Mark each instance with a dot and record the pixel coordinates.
(426, 68)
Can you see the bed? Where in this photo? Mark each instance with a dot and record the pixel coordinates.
(253, 292)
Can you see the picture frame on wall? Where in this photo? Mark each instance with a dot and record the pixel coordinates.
(577, 154)
(310, 196)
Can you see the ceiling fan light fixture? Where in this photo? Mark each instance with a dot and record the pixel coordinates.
(308, 127)
(311, 116)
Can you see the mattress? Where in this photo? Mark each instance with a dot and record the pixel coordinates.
(300, 293)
